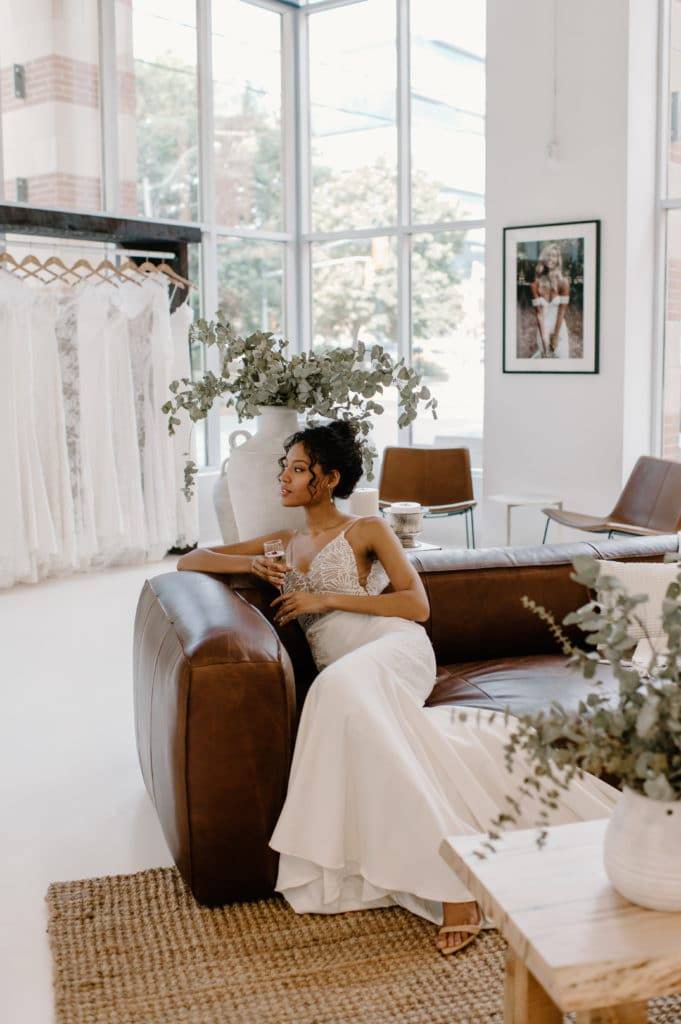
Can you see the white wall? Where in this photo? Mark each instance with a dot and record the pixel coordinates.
(576, 436)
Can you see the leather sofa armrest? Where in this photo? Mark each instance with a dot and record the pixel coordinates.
(215, 711)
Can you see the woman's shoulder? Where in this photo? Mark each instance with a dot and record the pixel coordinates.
(366, 530)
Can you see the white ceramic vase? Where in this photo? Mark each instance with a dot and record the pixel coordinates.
(641, 854)
(223, 507)
(252, 475)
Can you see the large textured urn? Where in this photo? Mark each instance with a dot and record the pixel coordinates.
(252, 474)
(642, 855)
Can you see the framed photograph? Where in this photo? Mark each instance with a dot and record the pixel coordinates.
(551, 297)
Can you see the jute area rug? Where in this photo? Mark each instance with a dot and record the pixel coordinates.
(137, 949)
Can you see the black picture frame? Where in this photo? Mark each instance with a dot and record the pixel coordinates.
(563, 257)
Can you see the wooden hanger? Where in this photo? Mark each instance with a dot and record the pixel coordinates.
(153, 268)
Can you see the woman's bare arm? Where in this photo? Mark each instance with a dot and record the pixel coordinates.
(246, 556)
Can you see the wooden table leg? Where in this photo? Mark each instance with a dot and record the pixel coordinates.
(631, 1013)
(525, 1001)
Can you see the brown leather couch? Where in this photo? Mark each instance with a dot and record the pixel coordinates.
(218, 689)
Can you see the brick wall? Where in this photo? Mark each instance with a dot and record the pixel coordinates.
(61, 190)
(52, 78)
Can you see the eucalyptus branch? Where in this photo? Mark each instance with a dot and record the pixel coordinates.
(257, 371)
(634, 736)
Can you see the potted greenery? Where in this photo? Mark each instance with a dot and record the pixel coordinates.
(635, 738)
(261, 380)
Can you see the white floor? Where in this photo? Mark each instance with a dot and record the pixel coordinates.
(72, 800)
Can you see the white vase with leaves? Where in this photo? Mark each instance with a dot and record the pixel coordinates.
(261, 381)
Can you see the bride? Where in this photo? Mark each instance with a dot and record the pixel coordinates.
(377, 780)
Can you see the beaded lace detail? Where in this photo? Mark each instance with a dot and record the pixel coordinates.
(334, 568)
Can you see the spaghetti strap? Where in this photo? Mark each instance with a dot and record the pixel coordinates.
(347, 528)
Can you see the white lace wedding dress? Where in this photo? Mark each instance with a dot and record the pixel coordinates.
(550, 314)
(378, 780)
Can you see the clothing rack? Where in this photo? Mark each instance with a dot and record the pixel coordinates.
(140, 240)
(54, 269)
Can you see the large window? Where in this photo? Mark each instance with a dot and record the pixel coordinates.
(247, 99)
(157, 108)
(396, 197)
(670, 432)
(332, 153)
(353, 129)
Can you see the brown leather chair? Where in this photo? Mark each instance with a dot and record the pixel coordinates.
(650, 504)
(438, 478)
(219, 689)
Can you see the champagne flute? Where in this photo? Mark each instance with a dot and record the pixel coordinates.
(275, 550)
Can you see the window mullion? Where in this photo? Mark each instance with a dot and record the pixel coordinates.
(661, 224)
(289, 159)
(108, 94)
(303, 182)
(209, 260)
(403, 193)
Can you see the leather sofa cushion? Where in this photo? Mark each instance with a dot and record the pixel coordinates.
(523, 685)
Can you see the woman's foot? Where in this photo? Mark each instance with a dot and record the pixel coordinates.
(450, 939)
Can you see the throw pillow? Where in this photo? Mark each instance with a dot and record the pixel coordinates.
(651, 578)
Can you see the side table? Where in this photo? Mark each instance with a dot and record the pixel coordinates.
(512, 501)
(574, 942)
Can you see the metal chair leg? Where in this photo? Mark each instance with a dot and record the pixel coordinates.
(472, 525)
(546, 530)
(468, 539)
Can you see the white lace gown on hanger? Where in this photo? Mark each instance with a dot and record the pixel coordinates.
(152, 370)
(550, 314)
(29, 543)
(378, 780)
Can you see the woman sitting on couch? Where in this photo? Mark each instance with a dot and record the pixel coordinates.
(377, 780)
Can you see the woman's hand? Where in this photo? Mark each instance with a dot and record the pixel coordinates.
(299, 602)
(269, 570)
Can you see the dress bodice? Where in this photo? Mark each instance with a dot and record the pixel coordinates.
(334, 568)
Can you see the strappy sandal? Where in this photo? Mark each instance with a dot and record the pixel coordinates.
(472, 930)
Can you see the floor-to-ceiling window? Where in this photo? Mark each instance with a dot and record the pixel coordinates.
(670, 220)
(332, 153)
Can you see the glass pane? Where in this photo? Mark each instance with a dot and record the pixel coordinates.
(352, 111)
(671, 423)
(447, 109)
(251, 284)
(448, 280)
(49, 104)
(251, 291)
(248, 119)
(674, 151)
(354, 293)
(354, 297)
(157, 108)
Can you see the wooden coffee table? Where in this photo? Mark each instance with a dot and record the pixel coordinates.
(574, 943)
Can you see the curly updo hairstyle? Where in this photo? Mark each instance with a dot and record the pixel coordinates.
(332, 446)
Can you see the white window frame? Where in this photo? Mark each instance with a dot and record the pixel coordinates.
(297, 236)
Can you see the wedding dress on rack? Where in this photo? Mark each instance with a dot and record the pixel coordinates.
(88, 472)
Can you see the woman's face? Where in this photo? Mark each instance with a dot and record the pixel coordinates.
(296, 477)
(552, 258)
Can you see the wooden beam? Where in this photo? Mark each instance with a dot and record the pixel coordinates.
(97, 227)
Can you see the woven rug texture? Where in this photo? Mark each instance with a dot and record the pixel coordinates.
(138, 949)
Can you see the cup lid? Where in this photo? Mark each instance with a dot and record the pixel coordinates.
(405, 507)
